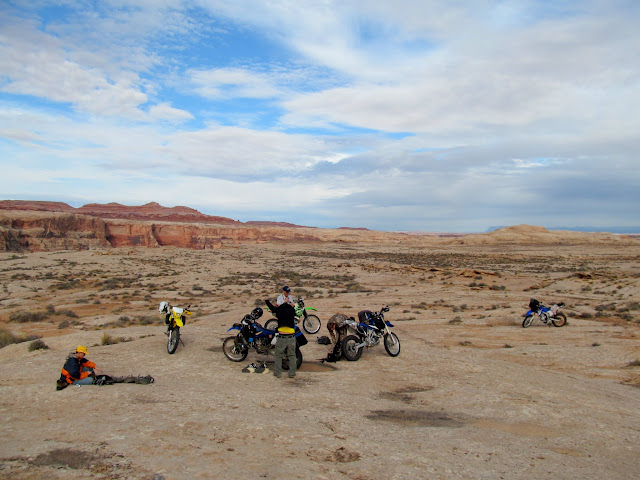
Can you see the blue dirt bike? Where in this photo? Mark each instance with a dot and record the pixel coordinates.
(547, 315)
(371, 328)
(253, 335)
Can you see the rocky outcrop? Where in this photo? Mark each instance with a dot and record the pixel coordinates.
(32, 231)
(47, 231)
(37, 226)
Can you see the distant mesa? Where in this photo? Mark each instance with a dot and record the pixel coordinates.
(149, 211)
(265, 223)
(35, 206)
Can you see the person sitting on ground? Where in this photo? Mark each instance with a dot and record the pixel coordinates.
(77, 369)
(285, 297)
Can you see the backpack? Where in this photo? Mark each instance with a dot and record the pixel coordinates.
(534, 304)
(336, 354)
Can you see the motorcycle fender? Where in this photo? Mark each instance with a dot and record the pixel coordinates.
(530, 312)
(178, 321)
(233, 328)
(311, 308)
(388, 323)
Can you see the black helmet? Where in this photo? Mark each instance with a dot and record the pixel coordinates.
(256, 313)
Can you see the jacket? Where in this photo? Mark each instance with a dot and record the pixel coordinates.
(285, 314)
(72, 369)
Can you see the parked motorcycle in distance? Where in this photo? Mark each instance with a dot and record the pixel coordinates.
(368, 331)
(545, 314)
(253, 335)
(175, 319)
(310, 322)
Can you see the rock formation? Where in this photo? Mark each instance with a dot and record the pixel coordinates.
(51, 226)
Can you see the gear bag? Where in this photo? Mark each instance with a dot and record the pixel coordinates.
(140, 380)
(104, 380)
(336, 354)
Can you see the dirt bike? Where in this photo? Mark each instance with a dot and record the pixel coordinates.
(310, 322)
(253, 335)
(175, 319)
(368, 331)
(547, 315)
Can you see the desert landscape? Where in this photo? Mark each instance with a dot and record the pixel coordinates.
(472, 395)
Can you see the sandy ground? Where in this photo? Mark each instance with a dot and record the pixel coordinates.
(472, 394)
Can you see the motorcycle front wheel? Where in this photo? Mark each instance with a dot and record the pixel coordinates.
(527, 321)
(311, 324)
(234, 351)
(174, 339)
(392, 344)
(272, 324)
(285, 360)
(559, 319)
(349, 349)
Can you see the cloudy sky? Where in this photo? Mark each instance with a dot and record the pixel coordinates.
(411, 115)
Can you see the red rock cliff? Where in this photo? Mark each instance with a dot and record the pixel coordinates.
(48, 231)
(22, 230)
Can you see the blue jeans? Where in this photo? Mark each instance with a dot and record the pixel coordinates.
(84, 381)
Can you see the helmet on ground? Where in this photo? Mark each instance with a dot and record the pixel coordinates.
(82, 349)
(286, 289)
(163, 307)
(256, 313)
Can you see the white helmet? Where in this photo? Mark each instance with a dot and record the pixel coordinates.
(163, 307)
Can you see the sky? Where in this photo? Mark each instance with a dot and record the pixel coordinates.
(402, 115)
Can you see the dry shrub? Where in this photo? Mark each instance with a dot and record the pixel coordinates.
(111, 340)
(8, 338)
(24, 317)
(38, 345)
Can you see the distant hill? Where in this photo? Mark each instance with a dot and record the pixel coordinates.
(620, 230)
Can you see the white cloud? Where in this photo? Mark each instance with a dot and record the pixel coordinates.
(164, 111)
(232, 83)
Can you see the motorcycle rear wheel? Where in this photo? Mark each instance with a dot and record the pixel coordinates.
(271, 324)
(559, 319)
(174, 339)
(392, 344)
(233, 351)
(349, 349)
(311, 324)
(527, 321)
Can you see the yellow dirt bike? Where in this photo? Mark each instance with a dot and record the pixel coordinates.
(175, 318)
